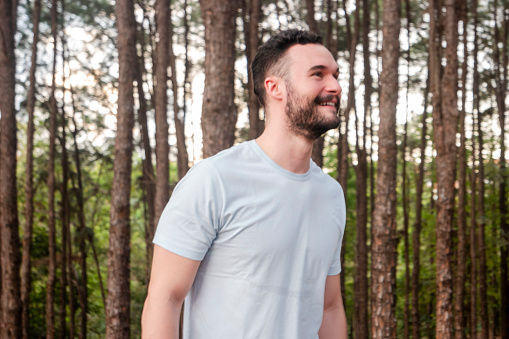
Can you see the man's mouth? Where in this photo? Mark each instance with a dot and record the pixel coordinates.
(330, 100)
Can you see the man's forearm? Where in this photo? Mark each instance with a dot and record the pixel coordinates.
(333, 324)
(160, 318)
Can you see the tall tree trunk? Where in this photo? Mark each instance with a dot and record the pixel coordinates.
(310, 16)
(69, 268)
(404, 188)
(361, 253)
(445, 119)
(343, 147)
(406, 250)
(501, 93)
(148, 177)
(117, 304)
(361, 170)
(65, 221)
(82, 232)
(383, 255)
(459, 323)
(187, 68)
(26, 267)
(219, 113)
(473, 244)
(161, 101)
(416, 234)
(252, 42)
(481, 243)
(65, 229)
(9, 237)
(50, 286)
(182, 156)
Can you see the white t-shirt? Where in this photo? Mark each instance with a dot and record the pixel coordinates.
(267, 239)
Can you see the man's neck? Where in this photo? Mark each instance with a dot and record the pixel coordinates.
(287, 149)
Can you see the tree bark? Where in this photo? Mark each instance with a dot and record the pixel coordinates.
(445, 119)
(161, 100)
(501, 93)
(383, 255)
(65, 220)
(182, 156)
(148, 177)
(118, 300)
(82, 232)
(50, 285)
(459, 323)
(10, 256)
(404, 188)
(361, 170)
(219, 113)
(416, 234)
(473, 244)
(252, 42)
(481, 243)
(65, 230)
(343, 147)
(26, 267)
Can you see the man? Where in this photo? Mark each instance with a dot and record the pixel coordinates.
(253, 234)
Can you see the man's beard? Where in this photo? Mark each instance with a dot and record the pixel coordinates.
(304, 117)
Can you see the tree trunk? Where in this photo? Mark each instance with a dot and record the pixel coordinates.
(473, 244)
(26, 267)
(343, 147)
(416, 234)
(161, 100)
(459, 323)
(50, 286)
(182, 156)
(9, 236)
(445, 119)
(65, 229)
(252, 42)
(187, 69)
(117, 304)
(147, 180)
(65, 220)
(501, 93)
(219, 113)
(361, 253)
(404, 188)
(361, 170)
(82, 233)
(481, 244)
(383, 257)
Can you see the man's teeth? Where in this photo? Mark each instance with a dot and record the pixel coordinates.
(328, 104)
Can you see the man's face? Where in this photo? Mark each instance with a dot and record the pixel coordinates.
(313, 92)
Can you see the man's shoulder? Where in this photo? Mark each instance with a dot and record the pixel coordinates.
(238, 153)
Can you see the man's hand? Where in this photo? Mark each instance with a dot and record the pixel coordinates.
(170, 280)
(334, 318)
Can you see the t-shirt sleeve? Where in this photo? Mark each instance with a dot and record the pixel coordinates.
(191, 219)
(335, 267)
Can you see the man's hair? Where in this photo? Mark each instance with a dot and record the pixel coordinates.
(269, 58)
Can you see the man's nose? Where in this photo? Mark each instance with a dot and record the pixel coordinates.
(333, 86)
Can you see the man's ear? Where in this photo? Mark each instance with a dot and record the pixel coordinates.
(275, 88)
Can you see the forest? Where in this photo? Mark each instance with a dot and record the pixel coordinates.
(106, 104)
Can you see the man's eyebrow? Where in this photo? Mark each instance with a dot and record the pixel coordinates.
(322, 67)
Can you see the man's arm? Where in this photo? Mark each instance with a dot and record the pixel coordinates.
(334, 318)
(170, 280)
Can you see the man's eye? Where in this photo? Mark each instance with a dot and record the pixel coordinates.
(318, 74)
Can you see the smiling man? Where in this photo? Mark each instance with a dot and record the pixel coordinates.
(252, 236)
